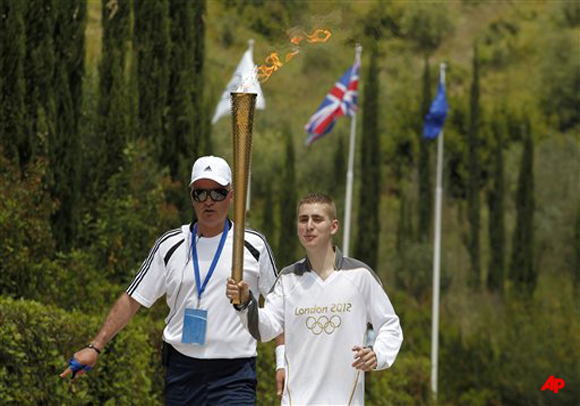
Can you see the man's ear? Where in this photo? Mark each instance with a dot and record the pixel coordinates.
(334, 227)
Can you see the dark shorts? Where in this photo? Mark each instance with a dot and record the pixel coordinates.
(209, 382)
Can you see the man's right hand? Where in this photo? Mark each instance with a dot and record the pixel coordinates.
(235, 290)
(86, 356)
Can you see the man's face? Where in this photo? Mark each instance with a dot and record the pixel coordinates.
(211, 213)
(315, 227)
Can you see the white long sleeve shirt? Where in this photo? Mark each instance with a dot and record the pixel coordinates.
(322, 320)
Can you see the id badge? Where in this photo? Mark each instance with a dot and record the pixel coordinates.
(194, 326)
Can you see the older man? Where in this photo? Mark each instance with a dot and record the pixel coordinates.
(209, 355)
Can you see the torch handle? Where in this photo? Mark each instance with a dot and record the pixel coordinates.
(243, 106)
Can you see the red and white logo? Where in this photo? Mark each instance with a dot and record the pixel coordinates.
(553, 384)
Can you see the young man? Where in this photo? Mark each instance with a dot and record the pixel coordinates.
(209, 355)
(323, 304)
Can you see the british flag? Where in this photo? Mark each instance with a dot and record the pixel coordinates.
(340, 101)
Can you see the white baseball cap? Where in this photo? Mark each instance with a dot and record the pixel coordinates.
(213, 168)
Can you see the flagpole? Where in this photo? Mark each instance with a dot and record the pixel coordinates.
(437, 254)
(249, 191)
(349, 174)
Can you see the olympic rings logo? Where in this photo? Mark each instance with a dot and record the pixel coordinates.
(323, 323)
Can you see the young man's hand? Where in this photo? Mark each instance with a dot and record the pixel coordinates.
(235, 290)
(280, 376)
(365, 358)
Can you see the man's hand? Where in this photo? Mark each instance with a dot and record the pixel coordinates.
(365, 358)
(86, 356)
(280, 377)
(235, 290)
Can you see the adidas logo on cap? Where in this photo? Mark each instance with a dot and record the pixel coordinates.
(207, 169)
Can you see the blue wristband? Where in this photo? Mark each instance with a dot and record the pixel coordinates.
(76, 366)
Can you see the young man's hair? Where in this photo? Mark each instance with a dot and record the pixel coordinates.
(321, 198)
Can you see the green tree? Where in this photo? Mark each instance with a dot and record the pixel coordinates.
(39, 72)
(63, 145)
(178, 136)
(288, 200)
(495, 199)
(426, 24)
(114, 123)
(404, 238)
(201, 120)
(366, 246)
(576, 262)
(339, 168)
(268, 217)
(474, 176)
(151, 40)
(424, 164)
(522, 271)
(13, 134)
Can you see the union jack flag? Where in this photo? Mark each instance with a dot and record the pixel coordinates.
(340, 101)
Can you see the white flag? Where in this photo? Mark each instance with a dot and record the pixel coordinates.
(245, 69)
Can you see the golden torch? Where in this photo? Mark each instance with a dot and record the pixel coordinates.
(243, 106)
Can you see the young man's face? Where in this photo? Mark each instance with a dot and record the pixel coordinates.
(211, 213)
(315, 227)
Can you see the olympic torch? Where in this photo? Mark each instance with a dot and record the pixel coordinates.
(243, 106)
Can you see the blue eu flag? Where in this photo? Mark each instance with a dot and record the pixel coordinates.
(435, 118)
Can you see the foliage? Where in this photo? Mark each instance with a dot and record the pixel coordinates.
(424, 225)
(367, 242)
(496, 203)
(474, 175)
(39, 339)
(560, 94)
(151, 41)
(427, 25)
(114, 126)
(523, 271)
(12, 84)
(286, 253)
(130, 215)
(25, 209)
(64, 142)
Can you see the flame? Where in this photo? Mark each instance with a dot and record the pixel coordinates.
(273, 62)
(316, 36)
(291, 55)
(264, 71)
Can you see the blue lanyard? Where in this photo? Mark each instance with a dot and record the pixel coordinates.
(216, 257)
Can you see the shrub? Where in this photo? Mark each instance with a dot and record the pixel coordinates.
(37, 341)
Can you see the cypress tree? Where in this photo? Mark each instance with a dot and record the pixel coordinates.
(201, 121)
(522, 271)
(39, 72)
(288, 200)
(114, 103)
(178, 137)
(12, 91)
(268, 217)
(151, 40)
(404, 236)
(63, 143)
(366, 246)
(425, 187)
(576, 260)
(473, 168)
(496, 271)
(339, 168)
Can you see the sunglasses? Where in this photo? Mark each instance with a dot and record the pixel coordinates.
(217, 195)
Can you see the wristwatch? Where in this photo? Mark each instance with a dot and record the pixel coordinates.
(93, 347)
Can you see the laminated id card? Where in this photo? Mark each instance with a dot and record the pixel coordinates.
(194, 326)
